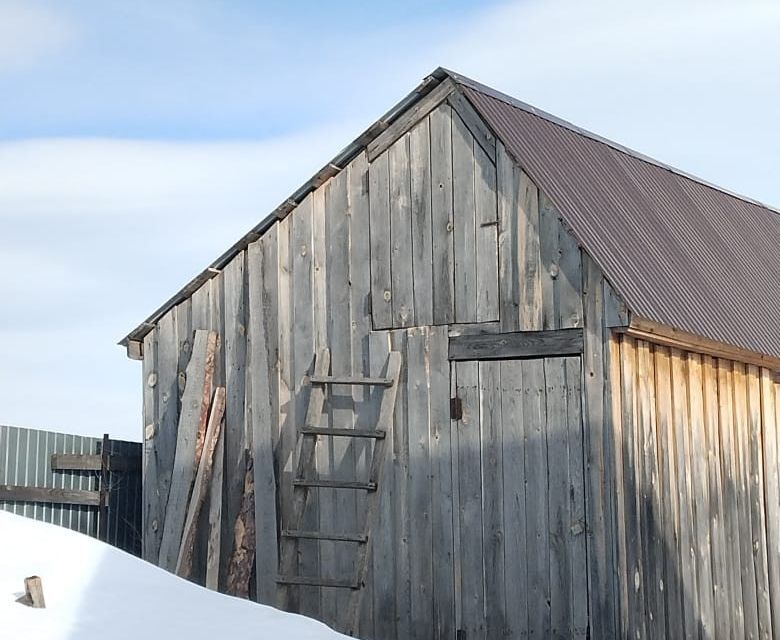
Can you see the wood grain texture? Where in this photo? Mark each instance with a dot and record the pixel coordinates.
(507, 175)
(519, 344)
(20, 493)
(201, 483)
(419, 486)
(487, 236)
(442, 222)
(360, 326)
(262, 407)
(472, 592)
(464, 222)
(401, 241)
(536, 498)
(338, 510)
(236, 440)
(184, 463)
(422, 222)
(152, 514)
(168, 406)
(381, 247)
(598, 471)
(303, 294)
(441, 485)
(513, 444)
(491, 435)
(530, 277)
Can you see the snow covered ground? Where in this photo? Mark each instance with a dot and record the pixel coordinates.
(96, 592)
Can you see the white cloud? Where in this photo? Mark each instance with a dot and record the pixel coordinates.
(96, 233)
(28, 33)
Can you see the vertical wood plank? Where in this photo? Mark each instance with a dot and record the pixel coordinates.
(720, 578)
(470, 494)
(568, 283)
(631, 489)
(215, 576)
(530, 283)
(599, 481)
(152, 515)
(757, 500)
(384, 591)
(286, 407)
(621, 517)
(670, 499)
(487, 236)
(549, 262)
(400, 507)
(341, 512)
(441, 485)
(235, 437)
(324, 454)
(401, 253)
(698, 471)
(537, 517)
(680, 406)
(513, 453)
(464, 216)
(261, 409)
(442, 215)
(576, 535)
(360, 327)
(303, 295)
(422, 229)
(419, 493)
(769, 417)
(558, 497)
(200, 308)
(381, 247)
(732, 524)
(746, 532)
(650, 498)
(168, 399)
(508, 252)
(491, 433)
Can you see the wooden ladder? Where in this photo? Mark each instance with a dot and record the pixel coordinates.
(305, 479)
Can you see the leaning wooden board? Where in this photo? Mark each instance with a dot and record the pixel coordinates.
(184, 462)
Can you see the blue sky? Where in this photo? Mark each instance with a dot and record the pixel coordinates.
(138, 140)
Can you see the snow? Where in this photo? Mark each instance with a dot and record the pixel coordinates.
(94, 592)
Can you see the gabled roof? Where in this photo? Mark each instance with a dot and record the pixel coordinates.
(681, 252)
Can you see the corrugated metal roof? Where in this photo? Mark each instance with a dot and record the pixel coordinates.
(681, 252)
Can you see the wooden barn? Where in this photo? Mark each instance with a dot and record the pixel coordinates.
(485, 375)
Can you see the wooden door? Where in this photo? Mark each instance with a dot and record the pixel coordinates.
(518, 483)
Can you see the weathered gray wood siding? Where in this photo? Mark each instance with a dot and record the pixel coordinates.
(441, 233)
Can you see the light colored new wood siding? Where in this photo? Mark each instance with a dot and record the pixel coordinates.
(697, 495)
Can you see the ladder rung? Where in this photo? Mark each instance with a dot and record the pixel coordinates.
(317, 581)
(335, 484)
(319, 535)
(346, 433)
(378, 382)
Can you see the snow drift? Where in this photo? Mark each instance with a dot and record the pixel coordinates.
(94, 592)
